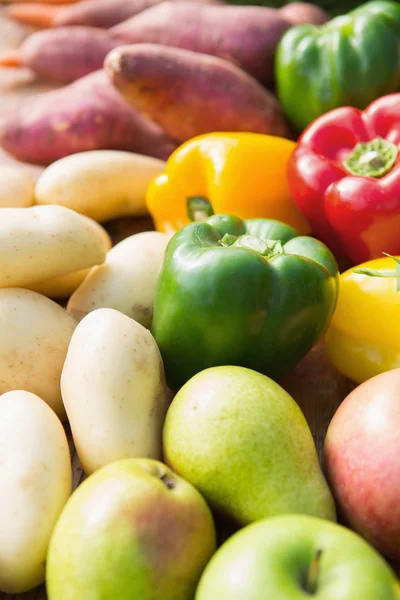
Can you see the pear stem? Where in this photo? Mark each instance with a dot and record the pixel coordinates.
(313, 572)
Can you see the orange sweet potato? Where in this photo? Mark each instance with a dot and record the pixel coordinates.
(189, 93)
(86, 115)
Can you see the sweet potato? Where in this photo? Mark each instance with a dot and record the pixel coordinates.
(299, 13)
(90, 13)
(86, 115)
(62, 55)
(189, 93)
(107, 13)
(245, 35)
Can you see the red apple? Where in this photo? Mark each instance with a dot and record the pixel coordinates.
(362, 457)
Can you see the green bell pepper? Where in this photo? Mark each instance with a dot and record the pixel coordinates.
(250, 293)
(349, 61)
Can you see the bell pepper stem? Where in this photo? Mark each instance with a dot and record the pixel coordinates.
(385, 274)
(372, 159)
(199, 208)
(267, 248)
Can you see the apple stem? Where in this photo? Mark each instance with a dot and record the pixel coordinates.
(167, 481)
(313, 572)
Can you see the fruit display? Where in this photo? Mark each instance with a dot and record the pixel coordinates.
(199, 291)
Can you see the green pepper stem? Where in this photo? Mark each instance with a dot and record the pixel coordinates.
(372, 159)
(267, 248)
(199, 208)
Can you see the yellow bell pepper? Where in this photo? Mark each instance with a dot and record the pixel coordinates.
(363, 339)
(237, 173)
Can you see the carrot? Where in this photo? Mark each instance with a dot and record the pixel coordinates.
(40, 15)
(86, 115)
(188, 93)
(47, 1)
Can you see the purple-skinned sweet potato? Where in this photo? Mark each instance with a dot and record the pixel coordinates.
(89, 13)
(245, 35)
(107, 13)
(62, 55)
(86, 115)
(188, 93)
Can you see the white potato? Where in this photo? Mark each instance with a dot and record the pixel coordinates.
(34, 337)
(16, 188)
(65, 285)
(35, 483)
(126, 281)
(102, 184)
(41, 242)
(114, 391)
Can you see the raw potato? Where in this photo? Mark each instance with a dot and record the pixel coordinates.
(34, 337)
(126, 281)
(42, 242)
(86, 115)
(188, 93)
(114, 390)
(64, 286)
(16, 188)
(35, 483)
(103, 184)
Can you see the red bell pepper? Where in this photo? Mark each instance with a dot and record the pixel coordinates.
(344, 175)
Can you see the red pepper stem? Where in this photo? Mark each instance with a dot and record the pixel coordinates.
(372, 159)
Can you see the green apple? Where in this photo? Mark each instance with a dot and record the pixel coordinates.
(132, 531)
(294, 557)
(242, 440)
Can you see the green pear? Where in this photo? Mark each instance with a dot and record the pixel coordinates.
(132, 531)
(297, 557)
(244, 443)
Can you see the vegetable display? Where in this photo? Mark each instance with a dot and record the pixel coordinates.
(199, 292)
(239, 173)
(362, 340)
(344, 176)
(282, 290)
(351, 60)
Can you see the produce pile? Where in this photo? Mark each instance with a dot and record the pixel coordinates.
(264, 143)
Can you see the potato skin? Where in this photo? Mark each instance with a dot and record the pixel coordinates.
(35, 473)
(126, 281)
(101, 184)
(188, 93)
(64, 286)
(114, 391)
(35, 334)
(16, 188)
(41, 242)
(87, 115)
